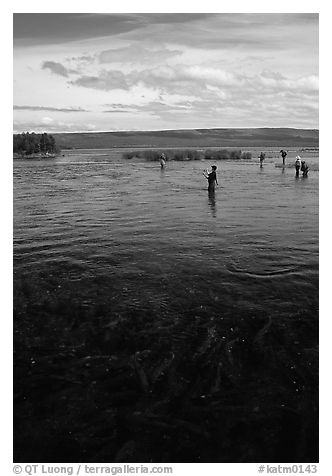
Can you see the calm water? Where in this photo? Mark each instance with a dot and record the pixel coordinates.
(104, 247)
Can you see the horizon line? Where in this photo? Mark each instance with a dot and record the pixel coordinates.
(168, 130)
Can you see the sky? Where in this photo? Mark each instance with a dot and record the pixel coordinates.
(155, 71)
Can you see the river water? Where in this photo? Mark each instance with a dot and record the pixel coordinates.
(199, 313)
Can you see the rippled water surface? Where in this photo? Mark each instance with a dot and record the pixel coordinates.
(188, 297)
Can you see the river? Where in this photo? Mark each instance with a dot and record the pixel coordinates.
(154, 322)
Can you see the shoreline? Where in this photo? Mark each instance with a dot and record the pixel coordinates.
(35, 156)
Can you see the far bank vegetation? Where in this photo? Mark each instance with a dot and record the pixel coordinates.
(183, 155)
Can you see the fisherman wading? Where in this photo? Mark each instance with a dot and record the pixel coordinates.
(212, 178)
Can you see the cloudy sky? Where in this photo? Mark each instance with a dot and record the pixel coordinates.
(100, 72)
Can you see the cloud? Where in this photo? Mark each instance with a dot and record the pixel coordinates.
(305, 85)
(263, 98)
(216, 67)
(175, 18)
(56, 68)
(47, 121)
(106, 81)
(49, 108)
(50, 125)
(190, 78)
(262, 31)
(191, 29)
(117, 111)
(135, 53)
(186, 79)
(171, 103)
(57, 28)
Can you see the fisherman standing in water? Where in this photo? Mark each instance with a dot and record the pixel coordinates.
(304, 168)
(212, 178)
(297, 165)
(283, 155)
(261, 159)
(163, 160)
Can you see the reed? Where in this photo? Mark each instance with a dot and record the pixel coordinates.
(151, 155)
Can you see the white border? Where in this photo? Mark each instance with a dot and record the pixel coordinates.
(325, 199)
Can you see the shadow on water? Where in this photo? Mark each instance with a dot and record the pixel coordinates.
(212, 203)
(300, 177)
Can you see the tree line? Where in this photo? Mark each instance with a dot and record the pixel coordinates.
(29, 143)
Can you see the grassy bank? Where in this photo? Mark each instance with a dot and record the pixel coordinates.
(182, 155)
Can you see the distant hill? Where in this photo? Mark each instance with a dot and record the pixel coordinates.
(263, 137)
